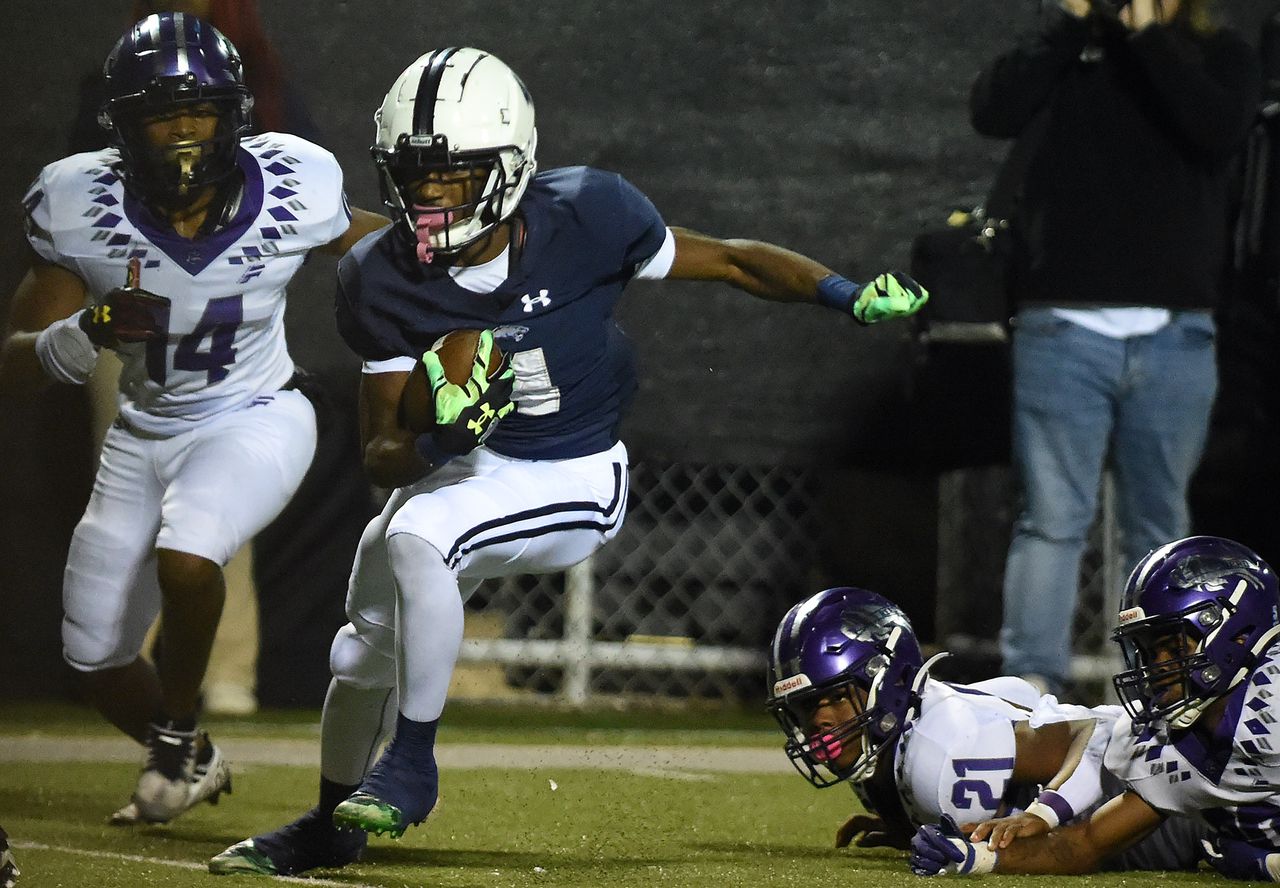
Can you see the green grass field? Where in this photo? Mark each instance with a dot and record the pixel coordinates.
(529, 819)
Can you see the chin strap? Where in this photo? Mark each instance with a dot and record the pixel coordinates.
(923, 674)
(917, 686)
(225, 202)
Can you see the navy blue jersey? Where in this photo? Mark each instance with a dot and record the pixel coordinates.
(586, 232)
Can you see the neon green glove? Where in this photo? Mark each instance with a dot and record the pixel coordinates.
(889, 295)
(467, 413)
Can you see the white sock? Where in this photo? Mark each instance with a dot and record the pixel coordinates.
(352, 728)
(428, 625)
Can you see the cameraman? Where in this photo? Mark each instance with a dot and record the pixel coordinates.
(1124, 225)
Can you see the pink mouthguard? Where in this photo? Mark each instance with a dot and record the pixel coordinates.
(825, 748)
(429, 221)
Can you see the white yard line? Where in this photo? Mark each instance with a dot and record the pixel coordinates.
(671, 761)
(179, 864)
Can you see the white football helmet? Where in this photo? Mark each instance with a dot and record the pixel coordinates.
(455, 109)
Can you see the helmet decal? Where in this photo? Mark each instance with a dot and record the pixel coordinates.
(1214, 573)
(872, 622)
(794, 683)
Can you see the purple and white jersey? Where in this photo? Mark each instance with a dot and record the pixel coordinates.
(956, 757)
(225, 342)
(1232, 782)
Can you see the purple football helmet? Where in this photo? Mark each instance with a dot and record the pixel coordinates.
(1196, 615)
(838, 643)
(161, 64)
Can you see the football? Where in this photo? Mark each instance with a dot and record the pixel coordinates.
(456, 351)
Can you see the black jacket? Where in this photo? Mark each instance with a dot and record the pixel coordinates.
(1125, 198)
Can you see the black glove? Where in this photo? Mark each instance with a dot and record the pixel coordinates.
(475, 421)
(126, 314)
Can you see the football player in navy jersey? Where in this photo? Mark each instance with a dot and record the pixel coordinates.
(1200, 628)
(182, 235)
(537, 262)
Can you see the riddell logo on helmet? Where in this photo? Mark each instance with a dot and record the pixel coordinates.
(794, 683)
(1130, 614)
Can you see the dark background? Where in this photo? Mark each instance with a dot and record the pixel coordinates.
(838, 129)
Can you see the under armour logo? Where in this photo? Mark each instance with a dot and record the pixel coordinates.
(477, 425)
(539, 301)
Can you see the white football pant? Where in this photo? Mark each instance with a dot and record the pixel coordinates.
(205, 492)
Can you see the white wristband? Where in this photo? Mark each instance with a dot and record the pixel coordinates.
(984, 859)
(1044, 812)
(65, 352)
(980, 859)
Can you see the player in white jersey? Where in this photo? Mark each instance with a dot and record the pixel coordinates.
(853, 696)
(1200, 628)
(181, 237)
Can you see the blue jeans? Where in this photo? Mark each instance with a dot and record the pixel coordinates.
(1081, 398)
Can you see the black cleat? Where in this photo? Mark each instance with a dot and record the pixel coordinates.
(310, 842)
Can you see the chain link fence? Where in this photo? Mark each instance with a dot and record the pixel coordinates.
(680, 605)
(683, 603)
(977, 508)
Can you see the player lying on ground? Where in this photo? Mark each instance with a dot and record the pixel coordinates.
(537, 261)
(183, 236)
(1198, 624)
(853, 696)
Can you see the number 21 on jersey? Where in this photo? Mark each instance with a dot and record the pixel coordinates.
(977, 787)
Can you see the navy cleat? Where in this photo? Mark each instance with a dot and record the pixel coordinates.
(401, 789)
(310, 842)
